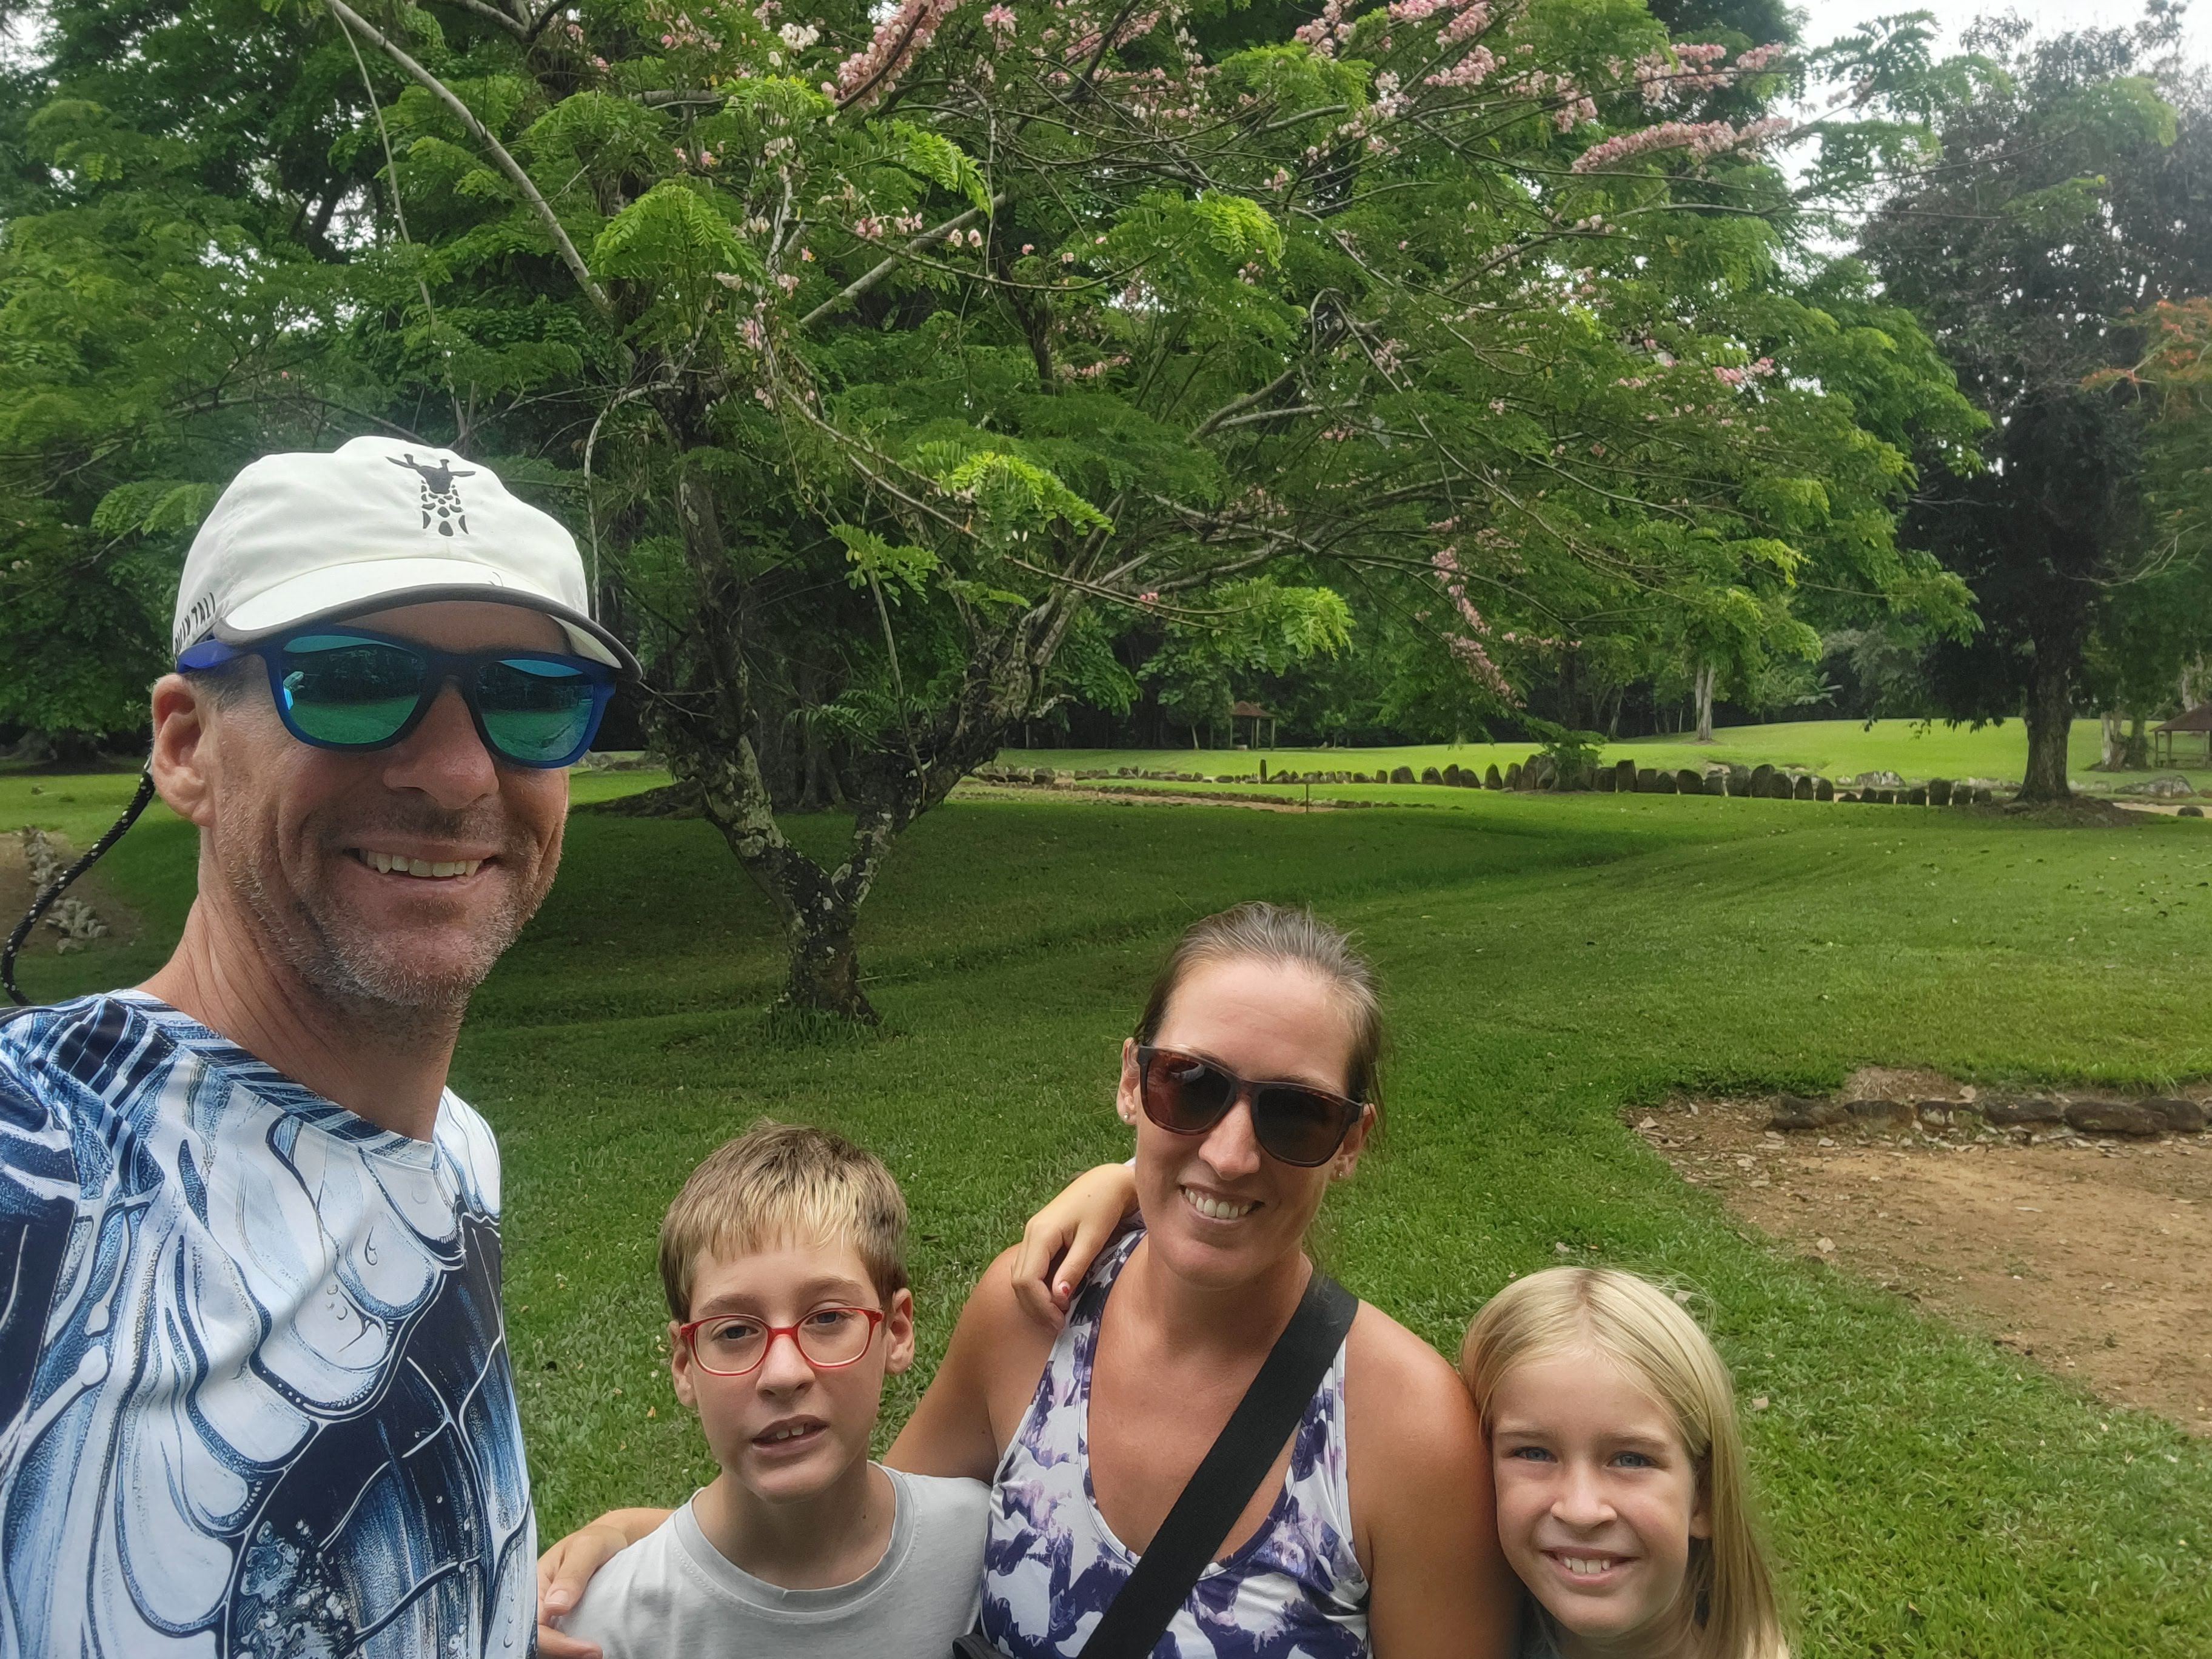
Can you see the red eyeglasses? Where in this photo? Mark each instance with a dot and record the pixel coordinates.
(737, 1345)
(1292, 1122)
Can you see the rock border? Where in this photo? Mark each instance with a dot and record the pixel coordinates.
(2025, 1118)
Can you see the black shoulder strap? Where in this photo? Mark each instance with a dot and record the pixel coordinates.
(1230, 1473)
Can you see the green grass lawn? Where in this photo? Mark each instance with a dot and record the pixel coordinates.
(1832, 748)
(1548, 961)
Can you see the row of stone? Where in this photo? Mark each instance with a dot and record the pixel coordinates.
(2142, 1119)
(1542, 773)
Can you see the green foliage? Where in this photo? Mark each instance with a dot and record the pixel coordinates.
(2077, 158)
(1431, 322)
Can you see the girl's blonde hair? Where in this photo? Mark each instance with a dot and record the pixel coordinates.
(1641, 1328)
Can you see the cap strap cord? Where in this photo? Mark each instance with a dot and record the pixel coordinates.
(55, 888)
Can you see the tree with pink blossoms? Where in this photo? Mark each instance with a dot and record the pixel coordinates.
(899, 366)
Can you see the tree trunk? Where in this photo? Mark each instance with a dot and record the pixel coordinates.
(1706, 675)
(2050, 724)
(2112, 744)
(2135, 757)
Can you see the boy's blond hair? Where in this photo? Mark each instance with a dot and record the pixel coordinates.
(785, 1182)
(1638, 1326)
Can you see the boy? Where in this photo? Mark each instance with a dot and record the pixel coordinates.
(783, 1260)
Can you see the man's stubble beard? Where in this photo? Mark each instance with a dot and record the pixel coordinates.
(352, 966)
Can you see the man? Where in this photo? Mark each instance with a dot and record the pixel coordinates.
(254, 1388)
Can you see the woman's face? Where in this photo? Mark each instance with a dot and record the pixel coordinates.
(1597, 1499)
(1216, 1208)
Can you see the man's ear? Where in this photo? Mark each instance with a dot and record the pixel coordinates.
(184, 758)
(898, 1332)
(679, 1366)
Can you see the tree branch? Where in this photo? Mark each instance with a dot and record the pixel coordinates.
(348, 18)
(513, 26)
(1236, 405)
(861, 284)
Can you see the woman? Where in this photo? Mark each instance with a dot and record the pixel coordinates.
(1373, 1532)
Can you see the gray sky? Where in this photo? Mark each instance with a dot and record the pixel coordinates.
(1827, 19)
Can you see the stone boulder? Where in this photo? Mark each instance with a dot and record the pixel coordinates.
(1715, 782)
(1492, 778)
(1450, 778)
(1886, 1114)
(1402, 775)
(2116, 1117)
(1823, 789)
(2167, 785)
(2009, 1114)
(1513, 775)
(2190, 813)
(1430, 774)
(1793, 1112)
(1739, 779)
(1939, 791)
(1762, 782)
(1625, 777)
(1917, 796)
(1606, 780)
(1689, 782)
(2184, 1117)
(1539, 771)
(1802, 788)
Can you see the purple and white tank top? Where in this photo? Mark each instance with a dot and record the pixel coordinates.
(1293, 1590)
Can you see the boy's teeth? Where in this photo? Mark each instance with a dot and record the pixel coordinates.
(1585, 1567)
(788, 1434)
(390, 865)
(1215, 1208)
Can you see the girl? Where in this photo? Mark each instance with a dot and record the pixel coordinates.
(1622, 1497)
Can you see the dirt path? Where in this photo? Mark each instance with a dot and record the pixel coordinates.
(2089, 1255)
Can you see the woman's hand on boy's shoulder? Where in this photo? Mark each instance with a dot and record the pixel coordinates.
(1423, 1502)
(568, 1566)
(1064, 1238)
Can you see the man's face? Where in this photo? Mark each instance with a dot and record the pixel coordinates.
(396, 876)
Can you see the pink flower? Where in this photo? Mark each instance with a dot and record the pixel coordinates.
(1148, 599)
(900, 39)
(1028, 247)
(1470, 22)
(1000, 19)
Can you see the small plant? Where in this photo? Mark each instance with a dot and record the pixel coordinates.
(1573, 754)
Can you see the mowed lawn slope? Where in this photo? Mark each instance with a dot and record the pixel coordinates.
(1832, 748)
(1549, 962)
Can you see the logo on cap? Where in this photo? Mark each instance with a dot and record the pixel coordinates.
(440, 499)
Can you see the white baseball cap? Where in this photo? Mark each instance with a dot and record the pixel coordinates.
(308, 537)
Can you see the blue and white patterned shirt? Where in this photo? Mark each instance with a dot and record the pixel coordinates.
(255, 1389)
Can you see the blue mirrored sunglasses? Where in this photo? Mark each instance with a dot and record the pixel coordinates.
(345, 688)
